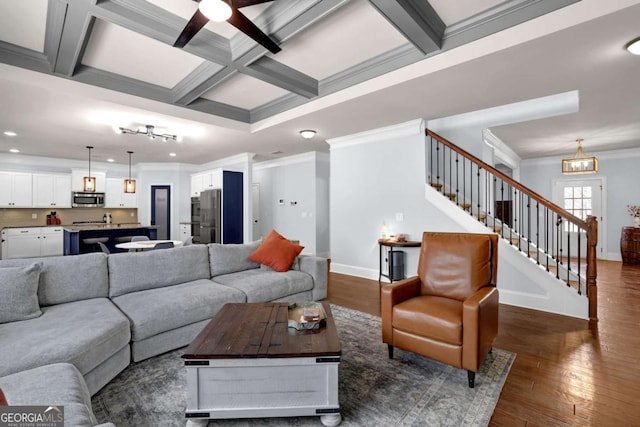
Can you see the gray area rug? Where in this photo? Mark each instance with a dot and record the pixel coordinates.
(408, 390)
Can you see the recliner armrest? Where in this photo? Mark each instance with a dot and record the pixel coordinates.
(480, 326)
(392, 294)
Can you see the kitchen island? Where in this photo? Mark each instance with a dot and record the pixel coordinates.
(82, 238)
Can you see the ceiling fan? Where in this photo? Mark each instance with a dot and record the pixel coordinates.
(225, 10)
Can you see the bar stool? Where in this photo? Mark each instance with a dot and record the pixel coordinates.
(93, 243)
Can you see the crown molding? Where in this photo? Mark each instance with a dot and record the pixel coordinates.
(402, 130)
(310, 156)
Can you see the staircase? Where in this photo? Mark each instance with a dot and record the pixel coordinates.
(556, 241)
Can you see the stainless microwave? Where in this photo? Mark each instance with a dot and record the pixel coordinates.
(81, 199)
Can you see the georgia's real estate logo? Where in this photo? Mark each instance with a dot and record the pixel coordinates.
(31, 416)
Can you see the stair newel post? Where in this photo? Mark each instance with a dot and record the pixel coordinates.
(592, 271)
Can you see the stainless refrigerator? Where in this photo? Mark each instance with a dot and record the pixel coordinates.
(210, 216)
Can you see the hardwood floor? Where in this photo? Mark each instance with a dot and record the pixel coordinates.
(566, 372)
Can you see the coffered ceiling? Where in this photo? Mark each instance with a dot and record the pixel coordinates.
(72, 71)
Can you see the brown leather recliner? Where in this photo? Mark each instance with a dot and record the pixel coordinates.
(449, 311)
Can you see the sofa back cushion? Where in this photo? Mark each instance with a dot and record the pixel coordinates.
(19, 290)
(132, 272)
(68, 278)
(231, 258)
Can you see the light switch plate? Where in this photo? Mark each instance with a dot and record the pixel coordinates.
(399, 217)
(34, 216)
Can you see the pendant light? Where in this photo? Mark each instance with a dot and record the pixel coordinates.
(130, 184)
(89, 182)
(580, 163)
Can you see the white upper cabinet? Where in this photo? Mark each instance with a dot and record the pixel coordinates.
(16, 190)
(205, 181)
(115, 197)
(51, 191)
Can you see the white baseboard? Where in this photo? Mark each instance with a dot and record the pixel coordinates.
(614, 256)
(351, 270)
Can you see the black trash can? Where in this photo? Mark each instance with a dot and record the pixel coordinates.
(397, 261)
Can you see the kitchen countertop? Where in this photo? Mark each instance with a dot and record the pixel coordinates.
(87, 227)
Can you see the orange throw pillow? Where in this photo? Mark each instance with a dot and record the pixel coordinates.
(276, 252)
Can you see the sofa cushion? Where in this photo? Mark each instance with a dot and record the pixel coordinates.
(58, 384)
(276, 252)
(68, 278)
(158, 310)
(230, 258)
(19, 290)
(84, 333)
(263, 286)
(132, 272)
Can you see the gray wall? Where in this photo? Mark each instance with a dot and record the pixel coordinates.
(622, 176)
(302, 183)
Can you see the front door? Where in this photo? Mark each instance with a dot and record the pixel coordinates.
(161, 210)
(583, 197)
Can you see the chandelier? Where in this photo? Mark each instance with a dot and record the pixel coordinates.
(149, 133)
(580, 162)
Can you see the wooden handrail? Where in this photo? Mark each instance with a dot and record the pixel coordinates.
(544, 202)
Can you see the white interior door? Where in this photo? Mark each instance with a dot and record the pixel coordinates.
(583, 197)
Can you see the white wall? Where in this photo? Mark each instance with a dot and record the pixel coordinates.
(622, 175)
(301, 183)
(374, 176)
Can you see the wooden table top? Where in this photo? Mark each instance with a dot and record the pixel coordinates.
(255, 330)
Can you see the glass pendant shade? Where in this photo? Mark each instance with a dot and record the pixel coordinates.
(89, 182)
(130, 184)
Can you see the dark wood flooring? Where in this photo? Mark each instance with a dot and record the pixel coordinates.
(567, 372)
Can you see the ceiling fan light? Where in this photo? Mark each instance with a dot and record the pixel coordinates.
(634, 46)
(215, 10)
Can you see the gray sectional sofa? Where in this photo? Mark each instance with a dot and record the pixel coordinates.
(101, 312)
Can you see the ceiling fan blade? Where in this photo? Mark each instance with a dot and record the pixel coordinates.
(195, 24)
(244, 3)
(243, 23)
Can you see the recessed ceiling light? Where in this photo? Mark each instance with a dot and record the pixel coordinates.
(634, 46)
(14, 150)
(110, 160)
(172, 154)
(9, 133)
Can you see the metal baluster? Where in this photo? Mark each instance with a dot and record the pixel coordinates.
(570, 225)
(529, 226)
(558, 250)
(495, 182)
(437, 162)
(502, 200)
(457, 179)
(471, 187)
(579, 275)
(547, 242)
(479, 196)
(538, 232)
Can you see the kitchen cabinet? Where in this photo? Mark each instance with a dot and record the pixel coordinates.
(205, 181)
(185, 231)
(51, 191)
(29, 242)
(115, 197)
(16, 190)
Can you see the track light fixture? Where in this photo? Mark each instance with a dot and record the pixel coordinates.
(149, 133)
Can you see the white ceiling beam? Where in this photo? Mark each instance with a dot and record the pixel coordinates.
(74, 36)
